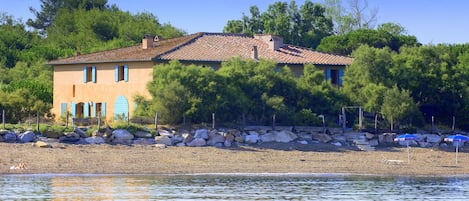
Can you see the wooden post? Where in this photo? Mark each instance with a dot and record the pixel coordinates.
(156, 121)
(183, 119)
(213, 120)
(433, 124)
(360, 119)
(66, 119)
(99, 120)
(376, 123)
(344, 120)
(3, 119)
(38, 121)
(273, 122)
(454, 122)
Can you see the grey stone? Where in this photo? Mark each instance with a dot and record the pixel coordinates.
(251, 139)
(432, 138)
(144, 141)
(142, 134)
(214, 139)
(94, 140)
(163, 140)
(27, 136)
(165, 133)
(373, 142)
(70, 138)
(80, 132)
(121, 136)
(324, 138)
(201, 133)
(197, 142)
(10, 137)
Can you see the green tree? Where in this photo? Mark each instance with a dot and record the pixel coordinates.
(397, 104)
(353, 17)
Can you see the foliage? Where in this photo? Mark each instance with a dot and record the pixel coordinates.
(304, 26)
(353, 17)
(132, 128)
(387, 35)
(397, 104)
(239, 89)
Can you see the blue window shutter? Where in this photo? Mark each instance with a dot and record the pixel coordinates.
(63, 109)
(84, 74)
(117, 73)
(328, 74)
(93, 74)
(86, 109)
(72, 104)
(93, 113)
(126, 72)
(341, 74)
(103, 109)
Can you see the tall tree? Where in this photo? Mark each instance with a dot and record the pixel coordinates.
(356, 16)
(49, 9)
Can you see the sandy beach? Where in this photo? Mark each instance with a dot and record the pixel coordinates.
(313, 158)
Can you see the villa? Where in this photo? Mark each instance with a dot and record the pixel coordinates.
(104, 83)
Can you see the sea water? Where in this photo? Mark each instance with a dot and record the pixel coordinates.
(231, 187)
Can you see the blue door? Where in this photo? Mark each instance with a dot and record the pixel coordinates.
(121, 109)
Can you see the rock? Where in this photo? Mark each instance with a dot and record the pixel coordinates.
(386, 138)
(2, 139)
(214, 139)
(339, 137)
(321, 137)
(3, 131)
(177, 139)
(432, 138)
(70, 138)
(42, 144)
(369, 136)
(251, 139)
(425, 144)
(269, 137)
(27, 136)
(373, 142)
(163, 140)
(305, 136)
(443, 145)
(253, 133)
(161, 146)
(303, 142)
(201, 133)
(10, 137)
(337, 144)
(122, 136)
(411, 143)
(94, 140)
(197, 142)
(218, 145)
(284, 136)
(53, 134)
(80, 132)
(165, 133)
(107, 132)
(187, 137)
(229, 139)
(142, 134)
(180, 144)
(144, 141)
(239, 139)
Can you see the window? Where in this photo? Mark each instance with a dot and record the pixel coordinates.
(89, 74)
(332, 75)
(122, 73)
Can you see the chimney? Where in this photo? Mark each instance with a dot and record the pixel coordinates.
(254, 53)
(147, 41)
(274, 42)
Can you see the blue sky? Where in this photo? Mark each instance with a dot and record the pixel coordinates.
(431, 21)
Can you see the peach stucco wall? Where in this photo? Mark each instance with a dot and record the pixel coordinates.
(106, 89)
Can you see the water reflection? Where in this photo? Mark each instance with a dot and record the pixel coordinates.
(218, 187)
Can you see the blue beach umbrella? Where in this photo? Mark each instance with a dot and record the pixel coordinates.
(458, 139)
(407, 137)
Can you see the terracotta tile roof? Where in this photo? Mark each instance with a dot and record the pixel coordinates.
(210, 47)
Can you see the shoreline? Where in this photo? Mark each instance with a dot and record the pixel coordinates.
(243, 160)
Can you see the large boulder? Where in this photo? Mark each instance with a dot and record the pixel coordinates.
(2, 139)
(251, 139)
(163, 140)
(27, 136)
(321, 137)
(432, 138)
(121, 136)
(142, 134)
(214, 139)
(201, 133)
(70, 138)
(187, 137)
(285, 136)
(177, 139)
(197, 142)
(229, 139)
(3, 131)
(144, 141)
(386, 138)
(94, 140)
(80, 132)
(163, 132)
(42, 144)
(10, 137)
